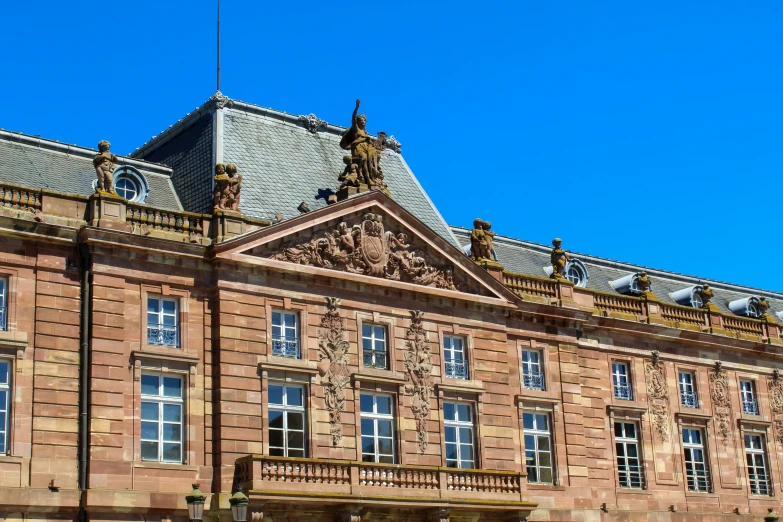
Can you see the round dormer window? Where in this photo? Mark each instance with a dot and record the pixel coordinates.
(576, 272)
(127, 188)
(130, 184)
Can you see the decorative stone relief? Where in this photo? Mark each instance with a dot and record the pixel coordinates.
(721, 402)
(221, 100)
(776, 403)
(312, 123)
(333, 366)
(658, 395)
(367, 248)
(393, 144)
(418, 367)
(104, 163)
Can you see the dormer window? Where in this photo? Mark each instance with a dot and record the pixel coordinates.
(633, 284)
(689, 296)
(748, 306)
(130, 184)
(575, 271)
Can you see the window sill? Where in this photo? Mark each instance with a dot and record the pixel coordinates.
(164, 354)
(701, 494)
(10, 459)
(632, 491)
(163, 465)
(286, 364)
(545, 487)
(13, 340)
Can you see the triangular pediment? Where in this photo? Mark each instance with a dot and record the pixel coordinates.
(369, 236)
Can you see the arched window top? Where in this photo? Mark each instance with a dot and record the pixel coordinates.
(629, 284)
(689, 296)
(748, 306)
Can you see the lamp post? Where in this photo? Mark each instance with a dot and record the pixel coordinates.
(195, 503)
(239, 504)
(771, 516)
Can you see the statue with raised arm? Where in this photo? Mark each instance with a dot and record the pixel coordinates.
(104, 163)
(559, 259)
(365, 151)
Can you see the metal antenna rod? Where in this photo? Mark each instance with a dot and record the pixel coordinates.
(218, 46)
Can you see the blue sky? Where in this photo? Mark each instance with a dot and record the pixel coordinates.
(637, 131)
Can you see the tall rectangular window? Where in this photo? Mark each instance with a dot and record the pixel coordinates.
(688, 397)
(162, 322)
(757, 464)
(696, 470)
(458, 423)
(285, 334)
(538, 447)
(621, 381)
(377, 415)
(532, 370)
(374, 346)
(629, 463)
(3, 303)
(5, 403)
(748, 396)
(286, 420)
(162, 422)
(454, 355)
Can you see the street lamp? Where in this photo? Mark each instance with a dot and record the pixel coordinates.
(771, 516)
(195, 503)
(239, 504)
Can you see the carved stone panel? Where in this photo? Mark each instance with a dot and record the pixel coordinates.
(776, 404)
(418, 367)
(333, 367)
(721, 402)
(658, 395)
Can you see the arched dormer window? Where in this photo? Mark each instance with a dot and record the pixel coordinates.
(630, 284)
(575, 271)
(689, 296)
(129, 184)
(747, 306)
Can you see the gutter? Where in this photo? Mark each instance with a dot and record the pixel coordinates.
(84, 377)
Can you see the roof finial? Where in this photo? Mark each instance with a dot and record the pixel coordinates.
(218, 46)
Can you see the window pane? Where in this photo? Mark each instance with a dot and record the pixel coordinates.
(544, 459)
(172, 413)
(451, 434)
(150, 385)
(149, 430)
(543, 443)
(295, 439)
(275, 394)
(277, 452)
(149, 411)
(277, 319)
(451, 451)
(276, 438)
(365, 402)
(463, 412)
(294, 396)
(384, 405)
(366, 330)
(465, 435)
(172, 387)
(295, 421)
(169, 307)
(296, 452)
(290, 320)
(3, 372)
(171, 452)
(368, 427)
(384, 429)
(546, 475)
(149, 451)
(527, 421)
(385, 446)
(466, 452)
(368, 446)
(2, 442)
(386, 459)
(448, 411)
(172, 433)
(276, 419)
(153, 305)
(542, 422)
(380, 333)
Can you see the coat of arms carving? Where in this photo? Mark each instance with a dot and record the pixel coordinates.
(334, 366)
(776, 403)
(418, 366)
(721, 402)
(658, 395)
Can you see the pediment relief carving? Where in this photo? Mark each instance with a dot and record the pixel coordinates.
(370, 243)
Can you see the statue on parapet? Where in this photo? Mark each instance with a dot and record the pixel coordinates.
(234, 186)
(228, 185)
(104, 163)
(559, 260)
(365, 153)
(481, 241)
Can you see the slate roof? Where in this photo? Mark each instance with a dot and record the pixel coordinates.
(36, 162)
(283, 164)
(530, 258)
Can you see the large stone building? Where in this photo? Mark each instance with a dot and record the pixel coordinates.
(353, 358)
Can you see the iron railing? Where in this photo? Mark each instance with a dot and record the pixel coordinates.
(375, 359)
(457, 369)
(689, 399)
(533, 380)
(3, 318)
(161, 335)
(285, 347)
(623, 391)
(750, 406)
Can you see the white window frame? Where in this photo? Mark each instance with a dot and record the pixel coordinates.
(537, 433)
(122, 191)
(376, 417)
(287, 410)
(161, 401)
(378, 346)
(689, 397)
(458, 425)
(621, 380)
(3, 303)
(695, 455)
(5, 405)
(748, 397)
(759, 480)
(533, 370)
(286, 342)
(627, 476)
(163, 329)
(455, 357)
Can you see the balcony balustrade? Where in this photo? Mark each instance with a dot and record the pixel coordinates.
(285, 347)
(533, 380)
(161, 335)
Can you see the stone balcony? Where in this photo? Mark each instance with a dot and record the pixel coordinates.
(272, 482)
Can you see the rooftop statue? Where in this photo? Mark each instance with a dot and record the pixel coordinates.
(104, 163)
(559, 259)
(365, 154)
(706, 294)
(234, 186)
(644, 281)
(481, 241)
(228, 185)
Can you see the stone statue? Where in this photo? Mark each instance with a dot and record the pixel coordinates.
(706, 294)
(481, 245)
(559, 259)
(763, 305)
(644, 281)
(104, 163)
(490, 239)
(234, 186)
(365, 151)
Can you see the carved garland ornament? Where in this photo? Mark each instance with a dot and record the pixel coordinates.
(334, 366)
(719, 392)
(776, 403)
(418, 366)
(658, 395)
(366, 248)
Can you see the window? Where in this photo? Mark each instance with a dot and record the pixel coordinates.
(377, 428)
(538, 448)
(3, 303)
(532, 374)
(285, 338)
(129, 183)
(621, 381)
(748, 396)
(161, 417)
(458, 423)
(696, 470)
(286, 420)
(688, 397)
(757, 466)
(696, 300)
(374, 346)
(454, 353)
(162, 322)
(126, 188)
(5, 403)
(576, 272)
(629, 464)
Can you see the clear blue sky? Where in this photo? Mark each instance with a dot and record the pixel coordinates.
(647, 132)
